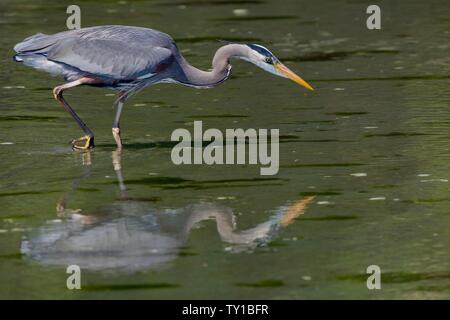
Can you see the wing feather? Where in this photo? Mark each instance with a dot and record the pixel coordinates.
(115, 52)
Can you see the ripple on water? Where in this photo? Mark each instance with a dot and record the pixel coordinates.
(377, 199)
(123, 287)
(324, 165)
(329, 218)
(359, 174)
(267, 283)
(207, 3)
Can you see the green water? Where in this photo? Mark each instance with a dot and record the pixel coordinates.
(371, 144)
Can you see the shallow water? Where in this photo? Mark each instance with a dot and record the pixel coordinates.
(370, 145)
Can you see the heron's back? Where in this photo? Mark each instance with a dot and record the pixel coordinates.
(111, 52)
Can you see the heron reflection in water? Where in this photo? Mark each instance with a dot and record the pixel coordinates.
(132, 234)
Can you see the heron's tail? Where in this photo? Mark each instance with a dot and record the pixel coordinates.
(17, 58)
(34, 44)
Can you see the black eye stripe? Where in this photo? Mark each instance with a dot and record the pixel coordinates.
(269, 57)
(260, 50)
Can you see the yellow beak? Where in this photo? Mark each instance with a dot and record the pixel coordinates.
(285, 71)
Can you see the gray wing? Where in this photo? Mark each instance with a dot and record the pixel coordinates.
(117, 52)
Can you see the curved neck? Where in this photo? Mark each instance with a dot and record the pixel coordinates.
(221, 67)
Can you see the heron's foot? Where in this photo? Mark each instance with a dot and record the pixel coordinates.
(66, 213)
(88, 144)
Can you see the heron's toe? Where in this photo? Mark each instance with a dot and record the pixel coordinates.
(88, 143)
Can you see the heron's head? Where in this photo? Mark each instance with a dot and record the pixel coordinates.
(263, 58)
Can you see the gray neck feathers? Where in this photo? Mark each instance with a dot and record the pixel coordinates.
(220, 67)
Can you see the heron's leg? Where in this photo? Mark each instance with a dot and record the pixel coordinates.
(116, 123)
(57, 93)
(63, 211)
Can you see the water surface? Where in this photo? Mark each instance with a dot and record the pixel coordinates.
(364, 160)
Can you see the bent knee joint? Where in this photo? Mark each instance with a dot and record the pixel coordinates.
(57, 92)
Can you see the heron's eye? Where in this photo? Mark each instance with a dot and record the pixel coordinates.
(269, 60)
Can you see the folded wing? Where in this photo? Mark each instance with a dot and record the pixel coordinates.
(115, 52)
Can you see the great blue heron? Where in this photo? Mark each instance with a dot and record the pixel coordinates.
(129, 59)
